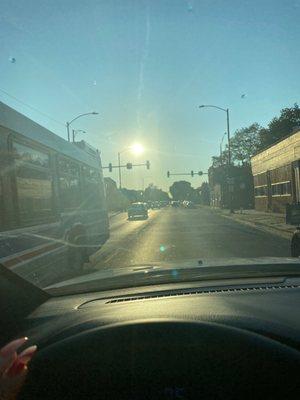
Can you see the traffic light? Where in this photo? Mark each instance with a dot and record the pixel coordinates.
(200, 173)
(148, 164)
(192, 173)
(168, 174)
(110, 167)
(129, 165)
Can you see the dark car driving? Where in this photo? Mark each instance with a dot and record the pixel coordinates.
(137, 210)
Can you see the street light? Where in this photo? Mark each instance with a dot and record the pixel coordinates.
(136, 148)
(229, 148)
(75, 132)
(228, 131)
(221, 144)
(74, 119)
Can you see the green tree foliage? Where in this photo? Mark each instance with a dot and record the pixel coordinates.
(222, 159)
(204, 193)
(248, 140)
(181, 190)
(115, 199)
(281, 126)
(245, 143)
(152, 193)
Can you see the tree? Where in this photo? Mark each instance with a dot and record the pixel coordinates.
(204, 193)
(222, 159)
(281, 126)
(152, 193)
(181, 190)
(132, 195)
(245, 143)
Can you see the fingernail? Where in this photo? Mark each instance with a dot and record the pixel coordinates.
(27, 355)
(12, 346)
(16, 369)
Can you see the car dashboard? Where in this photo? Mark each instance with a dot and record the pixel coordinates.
(267, 308)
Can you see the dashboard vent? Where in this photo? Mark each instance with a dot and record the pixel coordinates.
(200, 291)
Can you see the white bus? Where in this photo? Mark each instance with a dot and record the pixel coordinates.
(52, 200)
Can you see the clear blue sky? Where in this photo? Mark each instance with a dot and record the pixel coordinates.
(145, 66)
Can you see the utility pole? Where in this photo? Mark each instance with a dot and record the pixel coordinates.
(229, 151)
(228, 137)
(68, 130)
(68, 123)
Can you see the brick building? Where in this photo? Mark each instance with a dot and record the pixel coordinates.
(276, 174)
(231, 186)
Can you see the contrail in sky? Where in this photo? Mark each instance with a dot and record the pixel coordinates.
(144, 57)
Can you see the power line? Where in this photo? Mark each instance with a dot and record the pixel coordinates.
(32, 108)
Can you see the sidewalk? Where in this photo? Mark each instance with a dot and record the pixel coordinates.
(271, 222)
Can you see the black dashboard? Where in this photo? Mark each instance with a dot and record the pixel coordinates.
(266, 306)
(144, 336)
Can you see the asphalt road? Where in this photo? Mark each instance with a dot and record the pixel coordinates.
(172, 234)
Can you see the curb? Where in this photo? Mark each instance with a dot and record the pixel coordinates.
(283, 233)
(110, 216)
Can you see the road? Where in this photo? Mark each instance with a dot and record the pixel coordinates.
(181, 234)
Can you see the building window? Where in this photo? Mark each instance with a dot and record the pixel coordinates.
(261, 191)
(281, 189)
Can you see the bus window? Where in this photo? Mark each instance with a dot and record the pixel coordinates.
(34, 194)
(27, 154)
(69, 184)
(93, 199)
(33, 184)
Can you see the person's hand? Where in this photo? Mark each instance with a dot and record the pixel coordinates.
(13, 368)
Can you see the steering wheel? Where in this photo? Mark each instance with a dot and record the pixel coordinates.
(164, 360)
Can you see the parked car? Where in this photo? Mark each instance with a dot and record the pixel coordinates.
(137, 210)
(156, 205)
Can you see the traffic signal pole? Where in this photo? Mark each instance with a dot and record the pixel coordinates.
(127, 166)
(119, 165)
(192, 173)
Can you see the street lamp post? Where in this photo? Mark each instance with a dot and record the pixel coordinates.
(229, 149)
(75, 132)
(68, 123)
(228, 128)
(221, 145)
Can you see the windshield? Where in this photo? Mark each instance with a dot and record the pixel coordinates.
(188, 108)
